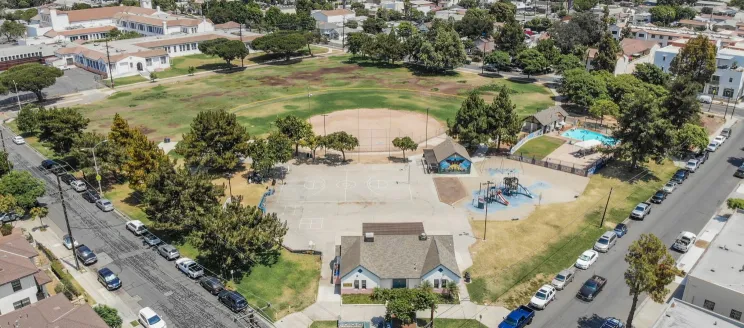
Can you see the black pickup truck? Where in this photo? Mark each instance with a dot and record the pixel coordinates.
(591, 288)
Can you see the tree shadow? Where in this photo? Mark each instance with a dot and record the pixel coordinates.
(521, 79)
(735, 161)
(395, 159)
(620, 170)
(593, 321)
(280, 61)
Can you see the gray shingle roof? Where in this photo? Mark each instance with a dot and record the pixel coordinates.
(549, 115)
(398, 256)
(447, 148)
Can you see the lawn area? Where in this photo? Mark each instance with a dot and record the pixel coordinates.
(258, 96)
(540, 147)
(451, 323)
(125, 80)
(509, 267)
(324, 324)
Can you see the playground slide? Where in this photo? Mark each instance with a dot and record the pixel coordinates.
(501, 198)
(526, 192)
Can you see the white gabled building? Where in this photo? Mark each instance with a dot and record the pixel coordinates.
(333, 16)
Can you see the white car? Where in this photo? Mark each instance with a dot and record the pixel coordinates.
(692, 165)
(68, 242)
(684, 241)
(78, 185)
(712, 146)
(586, 259)
(544, 295)
(136, 227)
(719, 139)
(149, 319)
(189, 267)
(18, 140)
(669, 187)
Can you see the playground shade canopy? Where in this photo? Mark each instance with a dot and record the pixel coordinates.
(588, 144)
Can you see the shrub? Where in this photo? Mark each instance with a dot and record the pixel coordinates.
(6, 229)
(735, 203)
(109, 315)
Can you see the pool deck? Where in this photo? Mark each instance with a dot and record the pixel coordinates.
(565, 153)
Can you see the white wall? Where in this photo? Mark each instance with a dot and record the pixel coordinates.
(178, 50)
(663, 59)
(320, 17)
(445, 274)
(128, 66)
(8, 297)
(697, 291)
(372, 280)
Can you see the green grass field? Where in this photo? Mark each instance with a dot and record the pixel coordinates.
(540, 147)
(324, 324)
(125, 80)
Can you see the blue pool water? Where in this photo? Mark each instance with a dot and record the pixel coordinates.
(584, 135)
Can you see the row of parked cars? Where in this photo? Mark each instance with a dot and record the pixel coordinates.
(89, 194)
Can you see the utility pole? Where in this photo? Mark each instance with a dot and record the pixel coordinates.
(343, 36)
(18, 99)
(485, 221)
(229, 184)
(605, 210)
(325, 150)
(483, 62)
(108, 58)
(67, 221)
(426, 137)
(242, 60)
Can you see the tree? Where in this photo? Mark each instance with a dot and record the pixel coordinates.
(580, 87)
(650, 269)
(470, 125)
(539, 24)
(503, 123)
(341, 141)
(709, 10)
(265, 153)
(228, 50)
(697, 60)
(532, 62)
(476, 23)
(27, 121)
(80, 5)
(603, 107)
(357, 42)
(312, 141)
(60, 127)
(389, 47)
(691, 136)
(405, 143)
(685, 13)
(352, 24)
(192, 69)
(499, 60)
(503, 11)
(108, 155)
(682, 106)
(606, 58)
(373, 25)
(284, 43)
(23, 186)
(448, 48)
(642, 131)
(5, 165)
(215, 141)
(663, 15)
(548, 49)
(510, 38)
(584, 29)
(8, 204)
(109, 315)
(12, 29)
(567, 62)
(31, 77)
(294, 128)
(584, 5)
(467, 4)
(41, 213)
(650, 73)
(153, 77)
(142, 157)
(621, 85)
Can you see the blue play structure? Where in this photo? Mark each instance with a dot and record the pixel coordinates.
(510, 187)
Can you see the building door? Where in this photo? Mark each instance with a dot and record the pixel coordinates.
(139, 66)
(399, 283)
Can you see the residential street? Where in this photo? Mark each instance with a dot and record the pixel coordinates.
(148, 279)
(688, 209)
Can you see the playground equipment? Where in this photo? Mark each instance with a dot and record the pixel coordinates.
(512, 186)
(509, 187)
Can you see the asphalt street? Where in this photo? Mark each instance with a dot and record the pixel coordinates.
(148, 279)
(689, 208)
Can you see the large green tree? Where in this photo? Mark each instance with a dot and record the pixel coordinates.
(581, 87)
(142, 157)
(584, 29)
(662, 15)
(448, 47)
(690, 137)
(23, 186)
(405, 143)
(503, 123)
(696, 60)
(108, 155)
(548, 49)
(341, 141)
(650, 73)
(60, 127)
(228, 50)
(265, 153)
(607, 51)
(215, 141)
(476, 23)
(283, 43)
(650, 269)
(294, 128)
(567, 62)
(642, 130)
(470, 125)
(5, 165)
(30, 77)
(503, 11)
(109, 315)
(584, 5)
(603, 107)
(532, 62)
(27, 120)
(357, 42)
(682, 106)
(12, 29)
(510, 38)
(499, 60)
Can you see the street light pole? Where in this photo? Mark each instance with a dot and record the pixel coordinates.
(426, 137)
(95, 165)
(17, 97)
(485, 221)
(325, 150)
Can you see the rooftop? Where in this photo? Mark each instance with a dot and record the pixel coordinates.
(18, 50)
(723, 262)
(680, 314)
(447, 148)
(692, 22)
(100, 13)
(336, 12)
(16, 260)
(53, 312)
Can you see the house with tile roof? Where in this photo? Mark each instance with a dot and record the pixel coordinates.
(21, 282)
(53, 312)
(394, 255)
(633, 52)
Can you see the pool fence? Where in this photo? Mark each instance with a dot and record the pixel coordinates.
(568, 167)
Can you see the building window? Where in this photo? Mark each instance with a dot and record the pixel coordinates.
(444, 283)
(735, 314)
(653, 36)
(436, 283)
(728, 92)
(641, 35)
(148, 61)
(709, 305)
(188, 46)
(163, 60)
(193, 46)
(663, 58)
(364, 284)
(24, 302)
(731, 79)
(713, 90)
(715, 79)
(356, 284)
(16, 285)
(614, 32)
(399, 283)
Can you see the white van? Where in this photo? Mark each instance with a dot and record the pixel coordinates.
(136, 227)
(705, 99)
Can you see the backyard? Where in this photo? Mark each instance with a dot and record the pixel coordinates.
(540, 147)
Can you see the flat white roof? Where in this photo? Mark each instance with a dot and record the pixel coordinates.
(669, 49)
(680, 314)
(723, 262)
(731, 52)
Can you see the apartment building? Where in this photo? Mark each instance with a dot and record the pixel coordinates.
(21, 282)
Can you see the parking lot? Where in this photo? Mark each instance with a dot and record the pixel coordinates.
(74, 80)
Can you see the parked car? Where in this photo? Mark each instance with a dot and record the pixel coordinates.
(68, 242)
(586, 259)
(150, 239)
(48, 165)
(212, 285)
(613, 323)
(18, 140)
(591, 288)
(543, 297)
(702, 156)
(78, 185)
(519, 318)
(8, 217)
(621, 229)
(669, 187)
(712, 146)
(233, 300)
(86, 255)
(105, 205)
(684, 241)
(563, 278)
(168, 252)
(739, 172)
(705, 99)
(692, 165)
(606, 241)
(136, 227)
(641, 210)
(91, 196)
(659, 197)
(189, 267)
(726, 132)
(720, 139)
(680, 176)
(67, 178)
(108, 279)
(149, 319)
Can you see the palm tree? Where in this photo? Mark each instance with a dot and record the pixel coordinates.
(453, 290)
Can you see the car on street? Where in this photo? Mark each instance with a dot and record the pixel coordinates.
(705, 99)
(669, 187)
(726, 132)
(105, 205)
(108, 279)
(136, 227)
(612, 323)
(79, 186)
(67, 178)
(563, 278)
(692, 165)
(168, 252)
(189, 267)
(680, 176)
(720, 140)
(591, 288)
(48, 165)
(18, 140)
(684, 241)
(621, 229)
(543, 297)
(519, 318)
(712, 146)
(233, 300)
(8, 217)
(641, 210)
(702, 156)
(606, 241)
(149, 319)
(586, 259)
(212, 284)
(659, 197)
(86, 255)
(150, 239)
(68, 242)
(739, 172)
(91, 196)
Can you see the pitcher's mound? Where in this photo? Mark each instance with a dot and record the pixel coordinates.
(376, 128)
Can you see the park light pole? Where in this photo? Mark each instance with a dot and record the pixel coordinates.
(95, 165)
(229, 184)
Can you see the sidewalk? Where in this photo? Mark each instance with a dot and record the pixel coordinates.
(52, 239)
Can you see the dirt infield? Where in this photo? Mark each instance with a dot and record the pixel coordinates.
(376, 128)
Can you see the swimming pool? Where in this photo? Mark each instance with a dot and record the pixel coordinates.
(584, 135)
